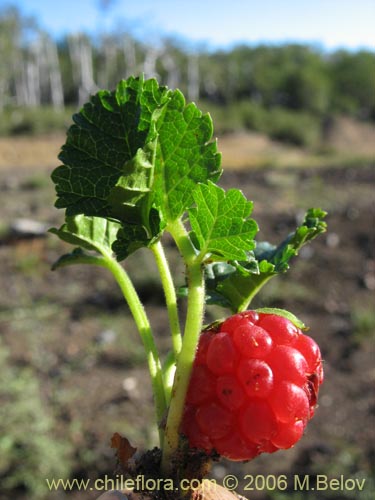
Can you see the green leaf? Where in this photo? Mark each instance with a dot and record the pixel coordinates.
(77, 256)
(238, 289)
(131, 197)
(131, 237)
(91, 233)
(214, 273)
(184, 156)
(220, 222)
(100, 148)
(135, 155)
(285, 314)
(276, 258)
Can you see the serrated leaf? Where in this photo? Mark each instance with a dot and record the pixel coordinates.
(131, 237)
(239, 289)
(280, 256)
(221, 224)
(133, 152)
(91, 233)
(184, 156)
(108, 132)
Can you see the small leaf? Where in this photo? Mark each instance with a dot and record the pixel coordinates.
(285, 314)
(91, 233)
(131, 197)
(124, 450)
(215, 273)
(220, 222)
(131, 236)
(77, 256)
(279, 256)
(238, 289)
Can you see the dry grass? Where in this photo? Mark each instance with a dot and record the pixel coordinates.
(30, 152)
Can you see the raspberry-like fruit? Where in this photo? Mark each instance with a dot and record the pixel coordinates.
(253, 387)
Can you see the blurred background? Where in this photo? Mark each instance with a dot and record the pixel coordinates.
(291, 89)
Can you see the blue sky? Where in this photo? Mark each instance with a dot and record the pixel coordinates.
(217, 23)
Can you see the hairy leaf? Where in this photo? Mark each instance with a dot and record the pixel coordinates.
(184, 155)
(221, 224)
(102, 150)
(94, 234)
(90, 233)
(276, 258)
(135, 155)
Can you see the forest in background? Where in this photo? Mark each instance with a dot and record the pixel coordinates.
(289, 92)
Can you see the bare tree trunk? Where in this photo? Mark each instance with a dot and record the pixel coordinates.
(81, 56)
(74, 59)
(55, 79)
(33, 83)
(88, 84)
(173, 73)
(109, 53)
(193, 77)
(130, 57)
(19, 73)
(149, 63)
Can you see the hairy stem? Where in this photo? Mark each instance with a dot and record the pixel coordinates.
(145, 332)
(170, 296)
(193, 327)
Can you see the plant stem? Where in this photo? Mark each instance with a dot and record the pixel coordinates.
(145, 332)
(257, 286)
(169, 370)
(193, 327)
(139, 314)
(170, 296)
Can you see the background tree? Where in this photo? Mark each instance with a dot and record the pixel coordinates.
(281, 90)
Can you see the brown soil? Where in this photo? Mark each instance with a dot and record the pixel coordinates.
(72, 329)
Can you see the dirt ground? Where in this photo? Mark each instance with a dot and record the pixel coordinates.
(346, 141)
(73, 333)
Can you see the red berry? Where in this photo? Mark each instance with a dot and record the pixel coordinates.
(289, 402)
(252, 341)
(310, 351)
(246, 318)
(288, 434)
(288, 364)
(202, 386)
(256, 377)
(214, 420)
(221, 354)
(204, 342)
(234, 447)
(258, 422)
(281, 329)
(253, 388)
(229, 392)
(197, 439)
